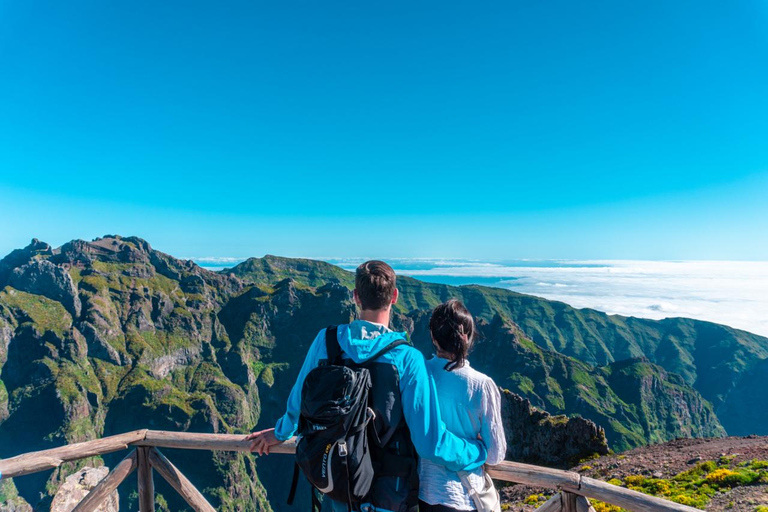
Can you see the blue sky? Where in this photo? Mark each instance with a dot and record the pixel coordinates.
(514, 129)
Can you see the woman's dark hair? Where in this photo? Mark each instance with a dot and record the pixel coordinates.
(453, 329)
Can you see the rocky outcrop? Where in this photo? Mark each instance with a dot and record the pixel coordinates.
(10, 501)
(6, 333)
(5, 339)
(41, 277)
(17, 505)
(77, 486)
(162, 366)
(20, 257)
(99, 347)
(111, 248)
(537, 437)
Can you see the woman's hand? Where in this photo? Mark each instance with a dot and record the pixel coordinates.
(262, 441)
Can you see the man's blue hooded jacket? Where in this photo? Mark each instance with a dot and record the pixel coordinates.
(361, 340)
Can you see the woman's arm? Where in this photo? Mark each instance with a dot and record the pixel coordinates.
(492, 429)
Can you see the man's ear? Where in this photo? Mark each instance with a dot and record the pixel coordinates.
(395, 296)
(357, 298)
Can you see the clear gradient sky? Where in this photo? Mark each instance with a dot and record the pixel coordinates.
(513, 129)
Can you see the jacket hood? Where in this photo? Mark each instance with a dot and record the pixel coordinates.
(360, 340)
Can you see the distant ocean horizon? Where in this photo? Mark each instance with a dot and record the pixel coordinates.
(734, 293)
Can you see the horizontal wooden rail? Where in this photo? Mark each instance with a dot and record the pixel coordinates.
(49, 459)
(211, 442)
(516, 472)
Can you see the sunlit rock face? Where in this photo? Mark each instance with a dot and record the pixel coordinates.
(41, 277)
(539, 438)
(78, 485)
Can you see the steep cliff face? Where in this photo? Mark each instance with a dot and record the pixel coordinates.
(540, 438)
(107, 336)
(745, 414)
(666, 407)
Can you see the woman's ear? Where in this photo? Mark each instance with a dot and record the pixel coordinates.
(357, 299)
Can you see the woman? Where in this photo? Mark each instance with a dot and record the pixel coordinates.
(470, 404)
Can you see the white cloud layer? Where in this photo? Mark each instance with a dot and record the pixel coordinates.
(730, 293)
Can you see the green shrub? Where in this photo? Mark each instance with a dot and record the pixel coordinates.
(533, 499)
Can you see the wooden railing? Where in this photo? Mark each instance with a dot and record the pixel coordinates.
(574, 489)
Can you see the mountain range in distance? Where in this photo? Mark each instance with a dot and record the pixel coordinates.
(111, 335)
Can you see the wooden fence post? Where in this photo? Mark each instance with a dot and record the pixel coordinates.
(179, 482)
(146, 484)
(583, 505)
(569, 501)
(553, 504)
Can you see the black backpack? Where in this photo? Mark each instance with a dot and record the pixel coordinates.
(333, 450)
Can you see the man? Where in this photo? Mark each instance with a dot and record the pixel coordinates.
(403, 398)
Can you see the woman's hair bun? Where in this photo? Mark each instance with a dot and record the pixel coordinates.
(453, 329)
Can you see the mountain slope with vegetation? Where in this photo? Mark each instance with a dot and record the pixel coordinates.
(720, 362)
(102, 337)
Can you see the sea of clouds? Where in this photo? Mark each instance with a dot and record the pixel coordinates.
(730, 293)
(733, 293)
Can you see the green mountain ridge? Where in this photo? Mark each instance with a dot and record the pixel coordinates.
(712, 358)
(107, 336)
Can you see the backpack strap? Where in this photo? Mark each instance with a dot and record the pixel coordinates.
(332, 347)
(317, 505)
(386, 349)
(294, 483)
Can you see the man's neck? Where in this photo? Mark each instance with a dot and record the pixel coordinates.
(378, 316)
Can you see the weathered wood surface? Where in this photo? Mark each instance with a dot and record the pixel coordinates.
(146, 483)
(626, 498)
(179, 482)
(583, 505)
(534, 475)
(569, 501)
(103, 489)
(214, 442)
(48, 459)
(553, 504)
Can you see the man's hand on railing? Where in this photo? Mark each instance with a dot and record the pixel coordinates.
(261, 441)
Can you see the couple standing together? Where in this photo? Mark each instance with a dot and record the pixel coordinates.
(433, 424)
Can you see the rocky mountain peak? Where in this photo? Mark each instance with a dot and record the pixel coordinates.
(19, 257)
